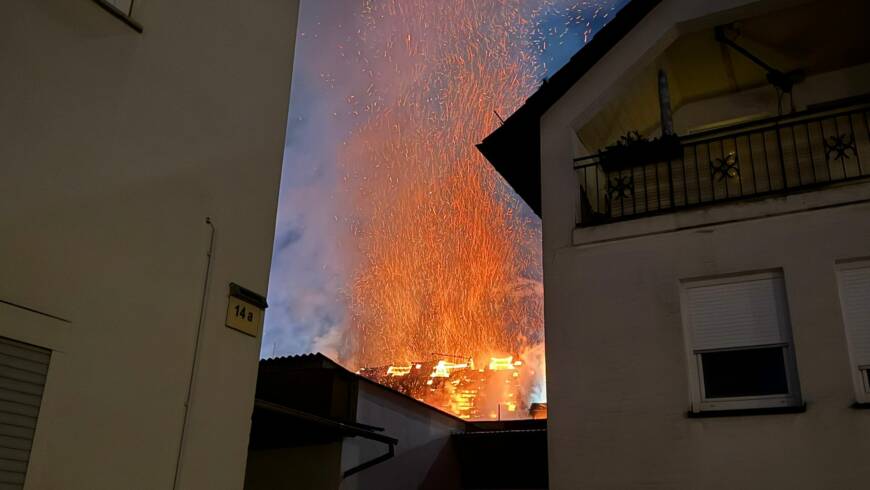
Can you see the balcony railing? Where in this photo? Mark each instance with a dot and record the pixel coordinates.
(751, 160)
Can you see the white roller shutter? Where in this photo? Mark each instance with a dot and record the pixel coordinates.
(855, 298)
(742, 313)
(22, 377)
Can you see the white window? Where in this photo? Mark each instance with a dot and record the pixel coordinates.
(854, 282)
(738, 335)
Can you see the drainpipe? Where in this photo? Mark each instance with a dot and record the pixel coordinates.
(195, 362)
(350, 430)
(391, 451)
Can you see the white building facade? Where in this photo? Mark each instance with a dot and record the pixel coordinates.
(320, 426)
(707, 285)
(124, 126)
(424, 457)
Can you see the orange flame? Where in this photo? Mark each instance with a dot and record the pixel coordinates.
(447, 260)
(398, 370)
(444, 368)
(501, 363)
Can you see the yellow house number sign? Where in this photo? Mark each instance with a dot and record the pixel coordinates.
(245, 310)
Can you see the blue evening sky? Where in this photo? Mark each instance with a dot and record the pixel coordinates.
(307, 293)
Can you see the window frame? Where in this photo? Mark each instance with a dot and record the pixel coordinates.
(125, 17)
(700, 403)
(860, 373)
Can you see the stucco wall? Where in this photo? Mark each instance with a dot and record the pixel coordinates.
(619, 397)
(115, 146)
(618, 386)
(424, 456)
(314, 467)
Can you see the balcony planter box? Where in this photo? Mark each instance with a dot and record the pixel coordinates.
(635, 151)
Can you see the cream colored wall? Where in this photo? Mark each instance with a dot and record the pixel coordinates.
(618, 387)
(619, 397)
(313, 467)
(424, 457)
(115, 146)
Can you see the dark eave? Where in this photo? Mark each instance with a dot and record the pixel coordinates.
(318, 360)
(514, 149)
(274, 426)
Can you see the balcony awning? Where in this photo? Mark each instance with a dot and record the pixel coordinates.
(814, 37)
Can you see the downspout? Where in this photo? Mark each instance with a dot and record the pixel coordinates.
(391, 451)
(194, 362)
(355, 430)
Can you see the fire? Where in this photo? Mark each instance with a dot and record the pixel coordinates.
(398, 370)
(493, 391)
(444, 368)
(501, 363)
(447, 260)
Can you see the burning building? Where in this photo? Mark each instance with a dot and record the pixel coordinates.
(446, 259)
(492, 390)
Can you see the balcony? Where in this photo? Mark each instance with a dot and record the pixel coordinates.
(754, 160)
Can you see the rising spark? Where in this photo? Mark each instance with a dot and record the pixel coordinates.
(448, 261)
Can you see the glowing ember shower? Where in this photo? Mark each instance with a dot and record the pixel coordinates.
(488, 392)
(447, 260)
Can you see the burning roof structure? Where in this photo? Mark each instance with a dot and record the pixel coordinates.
(492, 390)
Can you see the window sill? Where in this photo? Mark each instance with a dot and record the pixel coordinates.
(108, 7)
(741, 412)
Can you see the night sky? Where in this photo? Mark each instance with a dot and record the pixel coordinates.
(307, 290)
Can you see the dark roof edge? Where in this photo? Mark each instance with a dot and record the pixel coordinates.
(504, 146)
(360, 430)
(336, 365)
(625, 20)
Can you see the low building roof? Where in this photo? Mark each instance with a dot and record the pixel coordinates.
(310, 399)
(318, 361)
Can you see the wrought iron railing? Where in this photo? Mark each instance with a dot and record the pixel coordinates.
(772, 156)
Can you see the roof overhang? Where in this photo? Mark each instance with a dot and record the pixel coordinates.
(807, 37)
(274, 426)
(514, 149)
